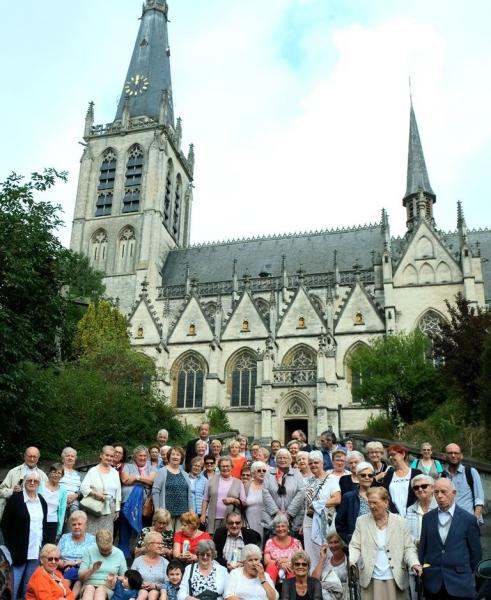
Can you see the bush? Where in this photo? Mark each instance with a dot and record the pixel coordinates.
(381, 426)
(218, 420)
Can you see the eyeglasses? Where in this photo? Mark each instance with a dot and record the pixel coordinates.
(234, 523)
(300, 564)
(261, 470)
(52, 558)
(366, 475)
(36, 481)
(423, 486)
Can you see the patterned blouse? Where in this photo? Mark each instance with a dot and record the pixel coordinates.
(176, 494)
(200, 582)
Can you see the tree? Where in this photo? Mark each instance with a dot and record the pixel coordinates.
(102, 323)
(459, 347)
(397, 375)
(485, 382)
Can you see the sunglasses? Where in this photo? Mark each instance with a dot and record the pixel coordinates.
(209, 463)
(52, 558)
(300, 564)
(261, 470)
(423, 486)
(366, 475)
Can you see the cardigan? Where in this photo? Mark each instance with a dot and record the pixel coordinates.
(314, 589)
(12, 479)
(293, 502)
(158, 489)
(236, 490)
(93, 479)
(43, 587)
(16, 523)
(411, 496)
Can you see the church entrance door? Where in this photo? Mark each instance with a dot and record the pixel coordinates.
(292, 424)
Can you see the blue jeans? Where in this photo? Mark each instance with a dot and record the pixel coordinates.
(21, 575)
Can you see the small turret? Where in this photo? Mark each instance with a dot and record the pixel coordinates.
(89, 120)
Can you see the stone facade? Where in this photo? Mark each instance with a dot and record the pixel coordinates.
(262, 327)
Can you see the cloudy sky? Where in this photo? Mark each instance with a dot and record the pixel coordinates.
(298, 109)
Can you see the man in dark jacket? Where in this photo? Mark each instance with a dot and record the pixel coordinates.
(231, 539)
(204, 435)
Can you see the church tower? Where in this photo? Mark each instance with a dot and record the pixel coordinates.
(419, 197)
(134, 192)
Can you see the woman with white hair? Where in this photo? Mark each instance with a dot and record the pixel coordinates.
(302, 465)
(254, 496)
(322, 495)
(354, 503)
(348, 483)
(206, 578)
(152, 566)
(71, 478)
(250, 582)
(279, 549)
(375, 452)
(283, 491)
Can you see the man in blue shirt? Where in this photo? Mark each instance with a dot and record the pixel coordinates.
(469, 498)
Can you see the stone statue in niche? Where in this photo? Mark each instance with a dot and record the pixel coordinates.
(245, 326)
(192, 329)
(359, 318)
(139, 333)
(301, 323)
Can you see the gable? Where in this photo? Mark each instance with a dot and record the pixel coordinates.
(245, 322)
(301, 318)
(143, 325)
(359, 314)
(426, 261)
(191, 326)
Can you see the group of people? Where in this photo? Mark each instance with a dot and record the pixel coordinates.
(246, 523)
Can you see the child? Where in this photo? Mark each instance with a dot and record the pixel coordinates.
(175, 570)
(125, 587)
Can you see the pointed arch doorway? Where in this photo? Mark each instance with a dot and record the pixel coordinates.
(296, 412)
(292, 425)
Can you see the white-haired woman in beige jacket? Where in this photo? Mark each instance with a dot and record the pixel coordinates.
(388, 550)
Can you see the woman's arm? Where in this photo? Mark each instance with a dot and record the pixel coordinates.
(265, 581)
(204, 508)
(87, 573)
(334, 500)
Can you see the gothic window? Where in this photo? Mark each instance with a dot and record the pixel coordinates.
(177, 206)
(126, 250)
(168, 193)
(300, 358)
(189, 380)
(98, 250)
(133, 179)
(105, 187)
(429, 323)
(299, 366)
(244, 376)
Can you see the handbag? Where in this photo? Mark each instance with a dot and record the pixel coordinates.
(92, 506)
(205, 594)
(148, 508)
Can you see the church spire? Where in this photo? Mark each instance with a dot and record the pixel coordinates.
(417, 176)
(149, 71)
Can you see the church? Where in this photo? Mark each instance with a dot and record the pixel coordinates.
(263, 327)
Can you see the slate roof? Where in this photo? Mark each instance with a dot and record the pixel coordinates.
(150, 60)
(313, 251)
(417, 173)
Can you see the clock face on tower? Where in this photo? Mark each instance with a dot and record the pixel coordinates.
(138, 84)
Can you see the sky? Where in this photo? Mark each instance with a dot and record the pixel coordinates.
(298, 109)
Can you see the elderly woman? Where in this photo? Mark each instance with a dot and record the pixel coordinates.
(172, 487)
(72, 546)
(210, 467)
(283, 491)
(237, 459)
(302, 464)
(375, 452)
(354, 503)
(56, 496)
(245, 473)
(98, 561)
(427, 464)
(102, 485)
(47, 582)
(186, 541)
(293, 448)
(154, 458)
(250, 582)
(254, 496)
(164, 452)
(244, 442)
(216, 449)
(301, 586)
(120, 456)
(322, 495)
(348, 483)
(201, 447)
(332, 569)
(206, 578)
(388, 550)
(160, 523)
(151, 566)
(71, 479)
(137, 478)
(24, 526)
(397, 480)
(279, 549)
(225, 494)
(199, 483)
(338, 464)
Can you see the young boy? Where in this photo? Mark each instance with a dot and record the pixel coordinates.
(175, 570)
(126, 587)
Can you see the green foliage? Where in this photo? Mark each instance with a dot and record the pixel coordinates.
(397, 375)
(218, 420)
(101, 324)
(460, 345)
(381, 426)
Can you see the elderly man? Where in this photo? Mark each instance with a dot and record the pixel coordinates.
(162, 437)
(467, 482)
(204, 435)
(16, 476)
(449, 547)
(231, 539)
(328, 444)
(299, 436)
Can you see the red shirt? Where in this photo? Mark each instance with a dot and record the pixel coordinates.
(179, 538)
